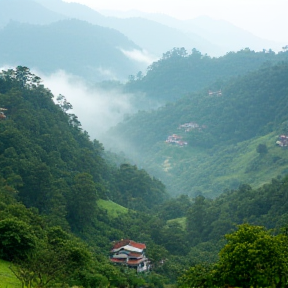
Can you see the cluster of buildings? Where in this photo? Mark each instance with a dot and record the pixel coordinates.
(282, 141)
(217, 93)
(2, 115)
(191, 126)
(177, 140)
(131, 254)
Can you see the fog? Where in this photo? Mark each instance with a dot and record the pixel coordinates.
(141, 56)
(98, 109)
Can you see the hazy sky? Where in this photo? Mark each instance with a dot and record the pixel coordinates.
(264, 18)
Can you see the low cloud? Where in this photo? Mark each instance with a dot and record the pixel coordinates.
(106, 73)
(97, 109)
(141, 56)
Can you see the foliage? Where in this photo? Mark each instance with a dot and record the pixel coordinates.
(179, 72)
(16, 239)
(220, 154)
(49, 164)
(8, 279)
(113, 209)
(196, 276)
(262, 149)
(253, 257)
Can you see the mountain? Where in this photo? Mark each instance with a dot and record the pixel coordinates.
(144, 32)
(27, 11)
(93, 52)
(57, 220)
(52, 177)
(222, 34)
(72, 10)
(214, 37)
(179, 72)
(225, 130)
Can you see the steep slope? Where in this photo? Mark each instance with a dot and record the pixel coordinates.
(48, 163)
(179, 72)
(221, 151)
(77, 47)
(48, 150)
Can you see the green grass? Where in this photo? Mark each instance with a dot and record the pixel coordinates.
(181, 221)
(191, 170)
(113, 209)
(170, 286)
(7, 278)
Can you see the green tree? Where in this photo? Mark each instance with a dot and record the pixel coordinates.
(16, 239)
(197, 276)
(82, 201)
(196, 219)
(253, 258)
(262, 149)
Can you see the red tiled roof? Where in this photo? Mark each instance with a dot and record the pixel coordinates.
(125, 242)
(137, 245)
(135, 262)
(117, 260)
(121, 243)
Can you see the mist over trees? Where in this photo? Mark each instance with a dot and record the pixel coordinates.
(196, 169)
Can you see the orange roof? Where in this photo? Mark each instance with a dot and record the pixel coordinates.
(135, 262)
(125, 242)
(121, 243)
(135, 255)
(117, 260)
(137, 245)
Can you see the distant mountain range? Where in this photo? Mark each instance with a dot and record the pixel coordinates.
(150, 36)
(93, 52)
(219, 33)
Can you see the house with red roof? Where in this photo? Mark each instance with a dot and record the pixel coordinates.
(130, 253)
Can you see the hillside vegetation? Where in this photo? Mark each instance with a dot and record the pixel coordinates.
(222, 147)
(8, 279)
(51, 177)
(180, 72)
(57, 193)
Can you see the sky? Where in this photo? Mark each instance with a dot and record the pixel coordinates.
(265, 18)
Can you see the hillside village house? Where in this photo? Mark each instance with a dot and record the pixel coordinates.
(130, 253)
(282, 141)
(175, 139)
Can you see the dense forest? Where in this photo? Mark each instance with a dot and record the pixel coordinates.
(56, 187)
(49, 164)
(180, 72)
(222, 147)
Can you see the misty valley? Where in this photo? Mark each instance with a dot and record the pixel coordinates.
(139, 152)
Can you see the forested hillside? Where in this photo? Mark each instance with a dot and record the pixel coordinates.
(222, 145)
(180, 72)
(49, 164)
(57, 223)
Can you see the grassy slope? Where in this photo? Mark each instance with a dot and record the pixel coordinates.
(7, 278)
(190, 169)
(181, 221)
(113, 209)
